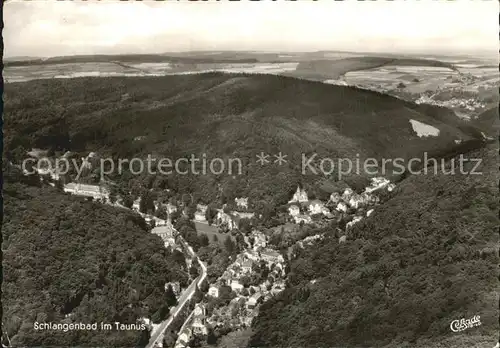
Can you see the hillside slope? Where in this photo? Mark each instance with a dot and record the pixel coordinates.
(69, 260)
(426, 257)
(222, 116)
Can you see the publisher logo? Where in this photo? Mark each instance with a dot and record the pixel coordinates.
(464, 324)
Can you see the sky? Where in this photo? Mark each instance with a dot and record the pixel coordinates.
(45, 28)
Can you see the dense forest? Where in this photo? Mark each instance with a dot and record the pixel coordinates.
(223, 116)
(426, 257)
(66, 259)
(488, 122)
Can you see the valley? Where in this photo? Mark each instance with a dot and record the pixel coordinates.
(291, 259)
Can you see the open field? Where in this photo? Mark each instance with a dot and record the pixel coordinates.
(467, 86)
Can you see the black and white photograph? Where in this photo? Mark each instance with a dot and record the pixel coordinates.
(250, 174)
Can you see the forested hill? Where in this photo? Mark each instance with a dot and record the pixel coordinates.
(69, 260)
(222, 116)
(426, 257)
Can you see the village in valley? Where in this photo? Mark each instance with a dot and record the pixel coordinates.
(258, 270)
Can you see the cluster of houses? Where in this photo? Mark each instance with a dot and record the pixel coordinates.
(470, 104)
(248, 297)
(301, 209)
(197, 326)
(241, 309)
(348, 203)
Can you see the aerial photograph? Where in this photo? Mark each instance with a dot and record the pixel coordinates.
(221, 174)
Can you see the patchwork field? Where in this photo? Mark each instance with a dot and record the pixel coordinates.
(467, 86)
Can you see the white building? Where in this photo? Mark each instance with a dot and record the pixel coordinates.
(302, 218)
(236, 286)
(342, 207)
(176, 287)
(213, 291)
(346, 196)
(199, 314)
(243, 215)
(171, 208)
(335, 198)
(259, 240)
(183, 338)
(355, 220)
(254, 300)
(318, 207)
(225, 219)
(136, 205)
(379, 183)
(199, 216)
(271, 256)
(246, 266)
(94, 191)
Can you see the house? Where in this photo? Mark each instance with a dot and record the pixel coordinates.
(246, 266)
(335, 198)
(201, 208)
(276, 289)
(271, 256)
(199, 312)
(254, 300)
(163, 233)
(342, 239)
(302, 218)
(346, 196)
(293, 210)
(243, 215)
(227, 277)
(199, 315)
(317, 207)
(251, 255)
(171, 208)
(236, 286)
(299, 196)
(176, 287)
(183, 338)
(255, 289)
(136, 205)
(379, 183)
(147, 322)
(94, 191)
(241, 202)
(213, 291)
(342, 207)
(199, 328)
(199, 216)
(226, 219)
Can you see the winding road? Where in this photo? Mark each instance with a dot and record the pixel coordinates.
(186, 295)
